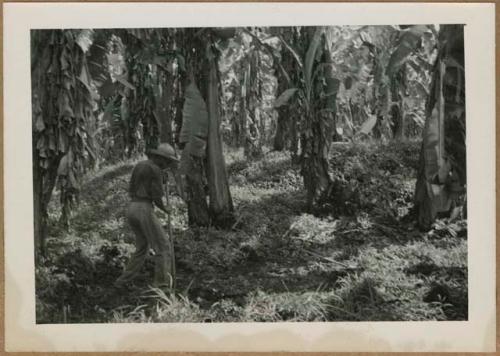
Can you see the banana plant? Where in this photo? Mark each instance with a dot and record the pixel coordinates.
(248, 84)
(62, 106)
(377, 64)
(203, 162)
(441, 177)
(193, 139)
(316, 95)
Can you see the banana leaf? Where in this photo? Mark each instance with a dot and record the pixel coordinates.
(194, 115)
(284, 97)
(122, 79)
(368, 125)
(409, 42)
(309, 61)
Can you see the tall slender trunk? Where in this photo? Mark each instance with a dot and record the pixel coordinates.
(196, 187)
(180, 84)
(441, 175)
(314, 161)
(317, 135)
(243, 109)
(253, 133)
(236, 140)
(221, 204)
(203, 70)
(198, 214)
(197, 191)
(44, 181)
(164, 106)
(397, 120)
(397, 114)
(294, 140)
(39, 215)
(279, 138)
(286, 131)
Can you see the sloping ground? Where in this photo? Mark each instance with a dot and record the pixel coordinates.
(362, 262)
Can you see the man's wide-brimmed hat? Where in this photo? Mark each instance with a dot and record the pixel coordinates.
(164, 150)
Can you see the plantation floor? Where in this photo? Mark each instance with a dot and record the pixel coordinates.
(358, 261)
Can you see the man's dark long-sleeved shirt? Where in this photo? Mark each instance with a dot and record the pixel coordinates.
(146, 183)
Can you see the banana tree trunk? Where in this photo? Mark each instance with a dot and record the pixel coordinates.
(280, 138)
(242, 117)
(317, 136)
(294, 140)
(163, 108)
(178, 104)
(441, 176)
(193, 161)
(44, 181)
(195, 194)
(398, 122)
(39, 211)
(221, 204)
(253, 137)
(203, 69)
(253, 141)
(397, 115)
(286, 136)
(238, 121)
(315, 162)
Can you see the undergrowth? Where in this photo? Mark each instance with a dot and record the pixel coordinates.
(278, 262)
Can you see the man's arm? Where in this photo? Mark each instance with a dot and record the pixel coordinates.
(157, 191)
(132, 183)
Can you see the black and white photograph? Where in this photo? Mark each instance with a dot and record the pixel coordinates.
(250, 174)
(301, 174)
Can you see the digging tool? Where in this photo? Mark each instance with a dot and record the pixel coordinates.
(171, 235)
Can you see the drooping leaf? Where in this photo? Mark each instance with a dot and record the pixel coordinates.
(292, 51)
(219, 193)
(197, 146)
(122, 79)
(452, 62)
(39, 124)
(368, 125)
(185, 161)
(420, 121)
(85, 77)
(181, 62)
(65, 165)
(430, 144)
(84, 39)
(65, 108)
(63, 142)
(108, 112)
(284, 97)
(310, 57)
(72, 179)
(90, 150)
(421, 89)
(332, 86)
(107, 89)
(194, 115)
(115, 60)
(52, 142)
(96, 56)
(409, 42)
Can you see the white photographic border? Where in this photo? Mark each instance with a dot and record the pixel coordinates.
(22, 332)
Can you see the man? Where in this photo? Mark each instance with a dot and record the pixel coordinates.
(146, 191)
